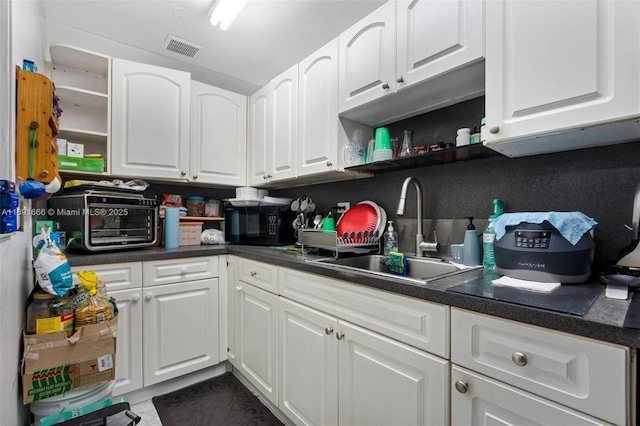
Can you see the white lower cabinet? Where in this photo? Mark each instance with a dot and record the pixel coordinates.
(180, 329)
(252, 343)
(308, 365)
(385, 382)
(479, 400)
(167, 318)
(581, 374)
(333, 372)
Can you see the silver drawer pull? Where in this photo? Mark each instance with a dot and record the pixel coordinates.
(461, 386)
(328, 330)
(339, 335)
(519, 359)
(254, 273)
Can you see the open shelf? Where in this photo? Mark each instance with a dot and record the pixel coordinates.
(451, 155)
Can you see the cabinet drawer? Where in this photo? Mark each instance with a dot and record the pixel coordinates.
(590, 376)
(160, 272)
(261, 275)
(416, 322)
(117, 276)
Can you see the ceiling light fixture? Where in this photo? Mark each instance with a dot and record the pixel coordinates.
(224, 12)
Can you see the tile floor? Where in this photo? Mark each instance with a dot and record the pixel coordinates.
(147, 411)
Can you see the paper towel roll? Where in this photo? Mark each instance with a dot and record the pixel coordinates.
(171, 227)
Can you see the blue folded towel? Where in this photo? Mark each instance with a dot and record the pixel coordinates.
(571, 225)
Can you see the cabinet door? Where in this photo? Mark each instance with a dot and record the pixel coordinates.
(258, 339)
(585, 374)
(368, 58)
(308, 365)
(477, 400)
(559, 65)
(180, 329)
(282, 136)
(318, 111)
(150, 121)
(384, 382)
(233, 305)
(258, 150)
(129, 352)
(218, 147)
(437, 36)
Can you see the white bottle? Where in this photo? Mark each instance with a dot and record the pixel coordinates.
(390, 239)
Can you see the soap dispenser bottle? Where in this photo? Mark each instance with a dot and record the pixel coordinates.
(471, 247)
(390, 239)
(489, 236)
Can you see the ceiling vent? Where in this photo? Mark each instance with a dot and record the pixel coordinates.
(181, 47)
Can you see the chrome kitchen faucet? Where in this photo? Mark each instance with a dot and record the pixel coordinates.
(421, 245)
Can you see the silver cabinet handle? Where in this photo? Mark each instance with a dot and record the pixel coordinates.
(148, 296)
(238, 288)
(400, 79)
(195, 176)
(339, 335)
(494, 129)
(183, 173)
(461, 386)
(253, 273)
(329, 163)
(519, 359)
(328, 330)
(264, 176)
(385, 85)
(135, 298)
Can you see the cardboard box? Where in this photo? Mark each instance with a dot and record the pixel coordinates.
(66, 162)
(53, 364)
(75, 149)
(190, 233)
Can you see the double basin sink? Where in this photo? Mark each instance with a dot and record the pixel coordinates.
(419, 270)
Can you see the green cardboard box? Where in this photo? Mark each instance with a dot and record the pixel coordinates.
(81, 164)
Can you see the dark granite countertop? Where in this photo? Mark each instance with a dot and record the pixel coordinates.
(602, 321)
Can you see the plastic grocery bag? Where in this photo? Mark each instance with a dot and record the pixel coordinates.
(52, 269)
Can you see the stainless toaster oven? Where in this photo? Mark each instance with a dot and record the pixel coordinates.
(106, 220)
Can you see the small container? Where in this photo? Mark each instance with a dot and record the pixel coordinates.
(195, 206)
(483, 130)
(464, 136)
(49, 313)
(212, 208)
(475, 135)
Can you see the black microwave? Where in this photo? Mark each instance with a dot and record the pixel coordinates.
(259, 225)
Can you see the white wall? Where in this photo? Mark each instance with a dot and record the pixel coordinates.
(20, 37)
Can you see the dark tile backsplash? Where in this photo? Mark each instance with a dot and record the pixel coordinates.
(599, 182)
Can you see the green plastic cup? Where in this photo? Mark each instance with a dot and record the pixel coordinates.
(382, 139)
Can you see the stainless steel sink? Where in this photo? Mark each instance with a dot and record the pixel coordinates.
(419, 270)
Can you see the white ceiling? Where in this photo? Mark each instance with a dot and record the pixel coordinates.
(268, 37)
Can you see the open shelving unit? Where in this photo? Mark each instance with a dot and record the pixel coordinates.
(82, 80)
(451, 155)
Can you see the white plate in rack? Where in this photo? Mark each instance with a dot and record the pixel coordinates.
(382, 217)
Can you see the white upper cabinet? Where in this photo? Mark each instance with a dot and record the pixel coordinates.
(368, 58)
(318, 111)
(258, 137)
(150, 121)
(218, 146)
(558, 66)
(283, 92)
(273, 118)
(436, 36)
(436, 47)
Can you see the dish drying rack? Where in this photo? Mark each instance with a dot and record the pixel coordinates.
(348, 243)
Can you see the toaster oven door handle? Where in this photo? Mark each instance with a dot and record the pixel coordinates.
(636, 214)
